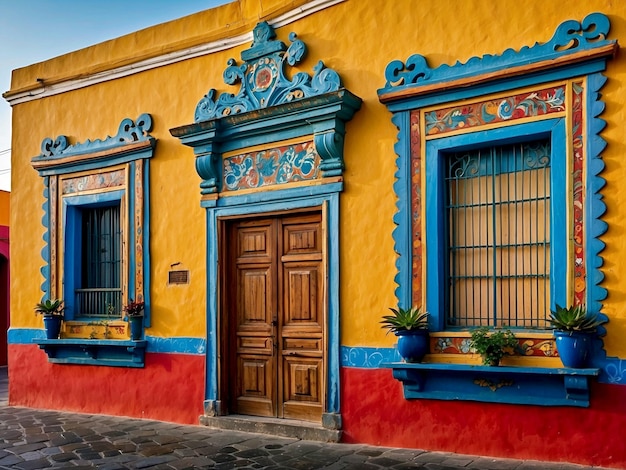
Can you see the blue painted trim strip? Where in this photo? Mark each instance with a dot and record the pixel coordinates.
(402, 233)
(286, 196)
(369, 358)
(594, 205)
(45, 251)
(333, 389)
(177, 345)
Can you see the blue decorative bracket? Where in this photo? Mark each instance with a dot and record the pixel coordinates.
(117, 353)
(518, 385)
(269, 107)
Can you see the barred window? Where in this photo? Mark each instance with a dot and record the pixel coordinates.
(498, 227)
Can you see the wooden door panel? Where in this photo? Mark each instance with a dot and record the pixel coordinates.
(254, 242)
(255, 301)
(256, 390)
(302, 238)
(303, 388)
(302, 329)
(302, 294)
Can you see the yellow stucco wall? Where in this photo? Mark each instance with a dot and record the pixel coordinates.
(358, 39)
(5, 207)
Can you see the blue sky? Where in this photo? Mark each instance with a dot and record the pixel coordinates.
(35, 30)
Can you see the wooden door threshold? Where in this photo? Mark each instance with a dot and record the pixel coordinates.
(304, 430)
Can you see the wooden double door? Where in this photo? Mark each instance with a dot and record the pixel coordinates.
(274, 316)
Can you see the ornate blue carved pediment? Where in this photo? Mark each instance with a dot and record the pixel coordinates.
(272, 105)
(263, 80)
(57, 156)
(570, 38)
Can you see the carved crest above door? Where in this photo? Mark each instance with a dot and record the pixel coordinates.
(273, 110)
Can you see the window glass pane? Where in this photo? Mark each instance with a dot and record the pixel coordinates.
(498, 212)
(100, 293)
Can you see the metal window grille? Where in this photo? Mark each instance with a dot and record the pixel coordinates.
(498, 215)
(100, 293)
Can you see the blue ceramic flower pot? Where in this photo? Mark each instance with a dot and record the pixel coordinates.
(53, 326)
(573, 347)
(413, 344)
(136, 326)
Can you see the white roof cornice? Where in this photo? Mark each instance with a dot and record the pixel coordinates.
(159, 61)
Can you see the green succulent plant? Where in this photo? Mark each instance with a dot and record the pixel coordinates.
(575, 318)
(493, 346)
(405, 319)
(50, 308)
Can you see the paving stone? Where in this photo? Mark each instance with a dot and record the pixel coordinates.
(112, 466)
(22, 449)
(32, 456)
(34, 464)
(152, 461)
(63, 457)
(191, 463)
(11, 460)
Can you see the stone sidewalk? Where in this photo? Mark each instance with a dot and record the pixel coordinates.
(36, 439)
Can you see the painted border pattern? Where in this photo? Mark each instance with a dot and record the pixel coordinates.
(578, 192)
(109, 179)
(527, 346)
(416, 206)
(139, 221)
(536, 103)
(280, 165)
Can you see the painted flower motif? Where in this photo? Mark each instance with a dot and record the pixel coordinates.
(465, 345)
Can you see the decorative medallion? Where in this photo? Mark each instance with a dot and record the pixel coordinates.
(262, 78)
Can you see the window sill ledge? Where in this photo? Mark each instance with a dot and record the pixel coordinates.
(501, 384)
(100, 352)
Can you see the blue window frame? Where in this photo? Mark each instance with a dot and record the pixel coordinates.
(93, 259)
(440, 230)
(100, 290)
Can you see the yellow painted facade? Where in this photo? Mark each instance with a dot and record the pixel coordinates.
(349, 38)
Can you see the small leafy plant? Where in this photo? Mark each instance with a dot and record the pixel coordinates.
(405, 319)
(493, 346)
(134, 309)
(575, 318)
(50, 308)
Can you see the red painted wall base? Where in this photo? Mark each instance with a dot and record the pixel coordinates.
(374, 411)
(169, 388)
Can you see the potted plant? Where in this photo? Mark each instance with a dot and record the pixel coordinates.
(134, 312)
(492, 345)
(52, 312)
(411, 327)
(574, 331)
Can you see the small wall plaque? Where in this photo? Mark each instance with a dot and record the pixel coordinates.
(178, 277)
